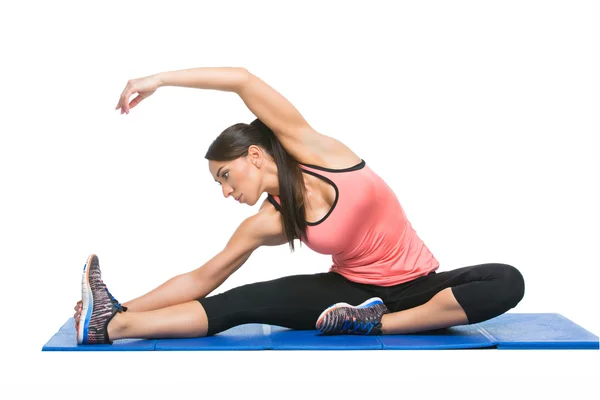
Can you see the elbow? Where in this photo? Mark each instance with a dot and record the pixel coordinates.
(244, 78)
(245, 74)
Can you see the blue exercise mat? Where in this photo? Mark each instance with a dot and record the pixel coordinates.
(507, 331)
(242, 337)
(456, 337)
(537, 331)
(288, 339)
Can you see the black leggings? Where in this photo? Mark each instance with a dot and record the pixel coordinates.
(484, 291)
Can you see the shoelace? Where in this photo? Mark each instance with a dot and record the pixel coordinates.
(114, 301)
(368, 326)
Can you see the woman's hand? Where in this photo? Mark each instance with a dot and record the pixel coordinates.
(77, 309)
(144, 87)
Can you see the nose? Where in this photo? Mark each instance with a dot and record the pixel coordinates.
(228, 194)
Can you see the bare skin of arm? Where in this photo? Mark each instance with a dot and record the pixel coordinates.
(271, 107)
(262, 229)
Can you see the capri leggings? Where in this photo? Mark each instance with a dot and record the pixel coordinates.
(484, 291)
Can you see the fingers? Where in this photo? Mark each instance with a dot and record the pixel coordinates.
(133, 87)
(78, 307)
(124, 100)
(124, 97)
(122, 109)
(123, 105)
(135, 102)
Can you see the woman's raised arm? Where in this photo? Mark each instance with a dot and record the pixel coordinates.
(271, 107)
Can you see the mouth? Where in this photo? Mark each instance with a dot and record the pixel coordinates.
(239, 198)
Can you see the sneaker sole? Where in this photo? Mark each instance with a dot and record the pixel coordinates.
(87, 300)
(367, 303)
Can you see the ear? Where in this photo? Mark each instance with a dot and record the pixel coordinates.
(256, 154)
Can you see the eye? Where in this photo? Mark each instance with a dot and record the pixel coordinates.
(223, 175)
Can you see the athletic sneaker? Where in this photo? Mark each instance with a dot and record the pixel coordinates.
(99, 306)
(364, 319)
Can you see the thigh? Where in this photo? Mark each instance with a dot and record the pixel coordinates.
(293, 301)
(421, 290)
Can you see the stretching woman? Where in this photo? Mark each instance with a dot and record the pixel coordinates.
(322, 193)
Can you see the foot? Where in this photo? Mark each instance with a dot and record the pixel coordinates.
(364, 319)
(99, 306)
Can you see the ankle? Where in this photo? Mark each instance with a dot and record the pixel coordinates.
(116, 326)
(383, 322)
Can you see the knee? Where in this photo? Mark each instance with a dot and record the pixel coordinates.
(513, 284)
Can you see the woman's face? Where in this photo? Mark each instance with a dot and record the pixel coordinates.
(240, 177)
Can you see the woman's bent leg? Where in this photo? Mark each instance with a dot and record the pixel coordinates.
(293, 301)
(463, 296)
(441, 311)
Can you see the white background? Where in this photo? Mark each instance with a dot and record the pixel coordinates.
(481, 116)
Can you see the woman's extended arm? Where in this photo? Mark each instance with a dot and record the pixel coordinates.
(193, 285)
(228, 79)
(253, 232)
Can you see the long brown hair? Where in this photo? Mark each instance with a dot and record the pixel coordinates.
(233, 143)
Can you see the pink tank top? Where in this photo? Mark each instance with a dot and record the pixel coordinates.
(366, 231)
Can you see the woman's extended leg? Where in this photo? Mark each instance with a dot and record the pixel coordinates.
(181, 320)
(463, 296)
(293, 301)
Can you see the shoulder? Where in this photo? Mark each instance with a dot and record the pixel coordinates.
(266, 225)
(265, 228)
(308, 146)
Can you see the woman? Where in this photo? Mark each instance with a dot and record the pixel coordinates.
(322, 193)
